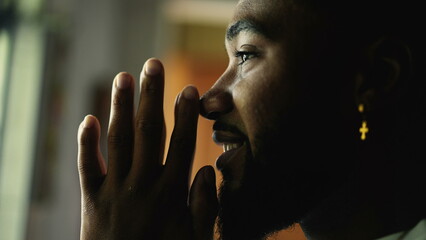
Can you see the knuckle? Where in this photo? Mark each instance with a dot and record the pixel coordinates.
(86, 163)
(148, 126)
(85, 139)
(82, 166)
(151, 91)
(118, 139)
(88, 206)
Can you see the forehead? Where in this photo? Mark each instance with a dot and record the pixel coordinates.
(261, 7)
(274, 17)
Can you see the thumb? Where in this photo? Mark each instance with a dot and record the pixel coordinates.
(203, 203)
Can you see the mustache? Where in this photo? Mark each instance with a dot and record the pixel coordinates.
(221, 126)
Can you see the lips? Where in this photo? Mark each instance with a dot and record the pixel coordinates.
(224, 137)
(232, 144)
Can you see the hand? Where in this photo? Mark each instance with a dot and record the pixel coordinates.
(137, 197)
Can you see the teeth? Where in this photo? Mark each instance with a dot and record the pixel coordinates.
(230, 146)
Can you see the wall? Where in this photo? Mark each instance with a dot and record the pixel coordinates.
(88, 43)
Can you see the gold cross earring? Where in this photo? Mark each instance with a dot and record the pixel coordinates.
(364, 129)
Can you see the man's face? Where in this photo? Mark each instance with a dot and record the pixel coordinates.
(278, 113)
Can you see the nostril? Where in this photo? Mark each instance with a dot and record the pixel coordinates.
(206, 111)
(215, 103)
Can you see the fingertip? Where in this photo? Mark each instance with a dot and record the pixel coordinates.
(89, 121)
(91, 166)
(188, 102)
(88, 130)
(190, 92)
(123, 80)
(205, 181)
(203, 203)
(152, 77)
(153, 67)
(176, 110)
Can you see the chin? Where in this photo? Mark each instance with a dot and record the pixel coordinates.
(280, 184)
(264, 202)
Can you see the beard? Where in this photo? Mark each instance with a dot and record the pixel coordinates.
(266, 201)
(284, 180)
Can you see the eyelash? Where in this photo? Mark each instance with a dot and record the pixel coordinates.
(244, 56)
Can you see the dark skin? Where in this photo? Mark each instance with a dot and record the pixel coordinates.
(139, 182)
(287, 81)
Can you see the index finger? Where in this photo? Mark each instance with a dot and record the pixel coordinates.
(182, 143)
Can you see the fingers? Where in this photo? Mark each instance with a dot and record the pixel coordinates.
(149, 122)
(182, 142)
(203, 203)
(91, 166)
(120, 131)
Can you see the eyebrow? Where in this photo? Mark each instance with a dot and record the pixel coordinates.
(243, 25)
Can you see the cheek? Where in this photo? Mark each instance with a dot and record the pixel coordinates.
(260, 99)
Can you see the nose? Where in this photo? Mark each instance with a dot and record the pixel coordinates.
(216, 102)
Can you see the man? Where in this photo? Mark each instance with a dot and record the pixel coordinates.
(321, 112)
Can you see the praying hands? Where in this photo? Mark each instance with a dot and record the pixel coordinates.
(137, 196)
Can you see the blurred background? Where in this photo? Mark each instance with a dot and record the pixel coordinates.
(57, 62)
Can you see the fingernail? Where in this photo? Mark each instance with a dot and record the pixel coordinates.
(209, 176)
(190, 92)
(152, 68)
(123, 81)
(89, 121)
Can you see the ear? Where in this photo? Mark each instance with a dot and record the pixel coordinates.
(386, 69)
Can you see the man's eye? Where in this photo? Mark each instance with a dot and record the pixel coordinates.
(244, 56)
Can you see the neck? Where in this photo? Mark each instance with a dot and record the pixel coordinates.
(369, 207)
